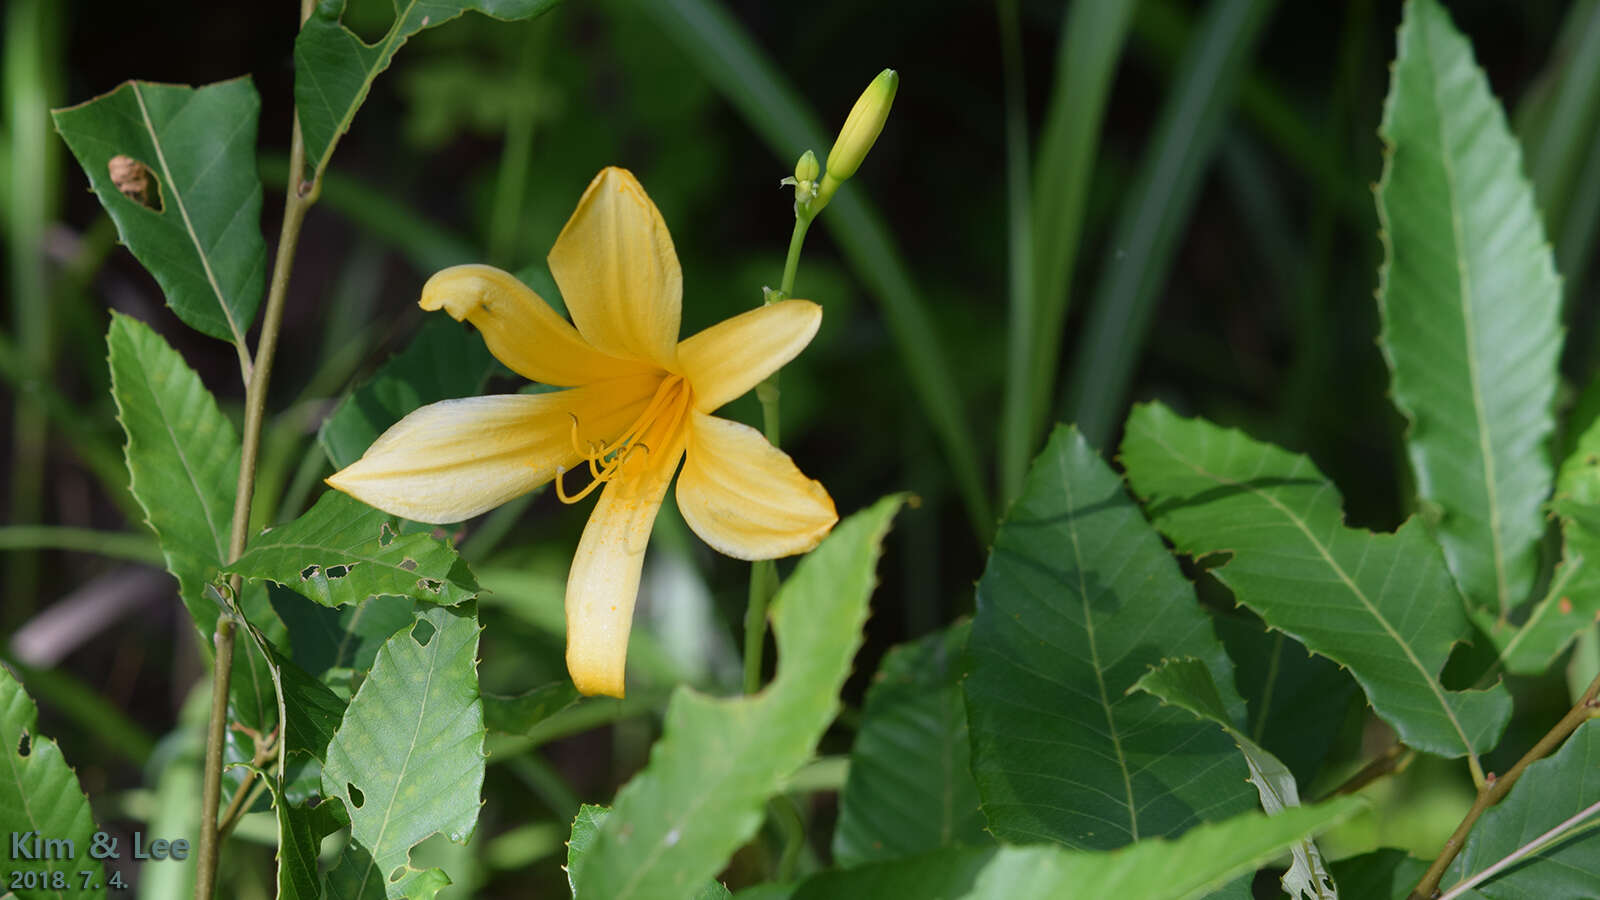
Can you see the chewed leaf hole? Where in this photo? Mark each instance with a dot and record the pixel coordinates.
(340, 571)
(430, 584)
(355, 795)
(423, 632)
(386, 534)
(24, 745)
(135, 180)
(398, 873)
(309, 572)
(409, 564)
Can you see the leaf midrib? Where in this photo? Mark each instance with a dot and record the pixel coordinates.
(1464, 291)
(188, 225)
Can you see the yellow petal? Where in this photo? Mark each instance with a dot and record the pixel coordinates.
(521, 329)
(745, 497)
(734, 355)
(604, 581)
(452, 460)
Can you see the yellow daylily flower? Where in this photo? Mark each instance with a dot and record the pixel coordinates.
(637, 401)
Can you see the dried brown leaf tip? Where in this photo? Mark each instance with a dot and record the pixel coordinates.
(134, 179)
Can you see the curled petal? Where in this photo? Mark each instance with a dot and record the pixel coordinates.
(520, 329)
(618, 271)
(603, 583)
(745, 497)
(452, 460)
(734, 355)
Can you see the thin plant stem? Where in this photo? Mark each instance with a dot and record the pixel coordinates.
(1395, 759)
(1016, 431)
(299, 198)
(1493, 791)
(1531, 847)
(110, 544)
(786, 815)
(764, 573)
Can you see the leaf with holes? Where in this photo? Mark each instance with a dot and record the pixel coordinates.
(444, 361)
(175, 167)
(407, 760)
(1549, 792)
(1383, 605)
(334, 69)
(704, 791)
(344, 551)
(1078, 599)
(1471, 309)
(42, 808)
(910, 787)
(1187, 684)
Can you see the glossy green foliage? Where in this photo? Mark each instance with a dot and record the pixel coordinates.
(586, 825)
(718, 761)
(407, 760)
(344, 551)
(196, 224)
(40, 801)
(1079, 599)
(334, 69)
(444, 361)
(1382, 605)
(1471, 310)
(910, 788)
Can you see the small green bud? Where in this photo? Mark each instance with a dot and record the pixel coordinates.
(806, 169)
(862, 127)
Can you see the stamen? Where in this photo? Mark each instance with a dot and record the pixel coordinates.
(611, 460)
(561, 491)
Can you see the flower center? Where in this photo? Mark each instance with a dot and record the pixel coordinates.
(628, 455)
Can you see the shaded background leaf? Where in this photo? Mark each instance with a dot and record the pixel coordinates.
(910, 788)
(1079, 599)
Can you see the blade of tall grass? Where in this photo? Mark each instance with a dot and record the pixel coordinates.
(1556, 121)
(738, 69)
(30, 70)
(1015, 438)
(1093, 33)
(1203, 92)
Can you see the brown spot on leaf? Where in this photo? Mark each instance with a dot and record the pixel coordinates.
(135, 180)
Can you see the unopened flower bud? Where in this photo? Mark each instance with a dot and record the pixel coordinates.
(806, 168)
(861, 129)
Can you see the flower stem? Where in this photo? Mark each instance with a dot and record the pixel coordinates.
(300, 195)
(1494, 791)
(764, 573)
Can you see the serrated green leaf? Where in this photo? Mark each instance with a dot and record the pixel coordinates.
(718, 761)
(344, 551)
(1471, 309)
(444, 361)
(40, 800)
(1572, 601)
(1195, 865)
(202, 241)
(183, 456)
(410, 748)
(346, 638)
(910, 788)
(334, 69)
(1549, 792)
(354, 877)
(300, 833)
(183, 459)
(1078, 599)
(1383, 605)
(586, 825)
(1187, 684)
